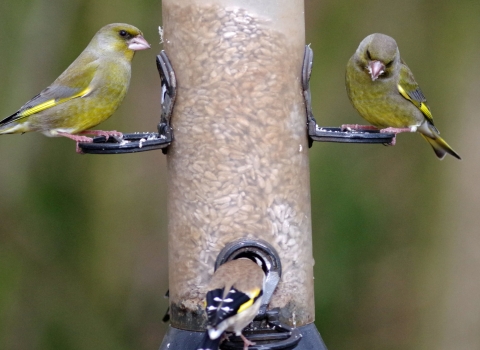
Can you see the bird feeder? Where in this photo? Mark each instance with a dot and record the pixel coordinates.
(238, 124)
(239, 166)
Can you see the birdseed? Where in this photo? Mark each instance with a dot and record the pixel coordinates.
(239, 164)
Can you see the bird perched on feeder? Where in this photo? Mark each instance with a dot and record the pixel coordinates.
(87, 92)
(233, 299)
(383, 90)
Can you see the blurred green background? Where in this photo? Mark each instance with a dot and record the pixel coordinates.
(83, 248)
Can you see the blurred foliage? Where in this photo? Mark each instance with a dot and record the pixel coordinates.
(83, 248)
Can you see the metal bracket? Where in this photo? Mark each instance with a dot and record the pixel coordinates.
(169, 86)
(331, 134)
(307, 95)
(143, 141)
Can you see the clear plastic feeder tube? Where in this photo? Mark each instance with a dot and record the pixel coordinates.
(239, 164)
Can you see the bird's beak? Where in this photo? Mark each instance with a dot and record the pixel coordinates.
(375, 68)
(138, 43)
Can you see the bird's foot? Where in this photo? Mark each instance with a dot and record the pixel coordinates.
(107, 134)
(350, 127)
(395, 130)
(393, 142)
(78, 149)
(76, 138)
(246, 342)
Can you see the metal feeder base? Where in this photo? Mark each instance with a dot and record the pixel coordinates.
(130, 143)
(331, 134)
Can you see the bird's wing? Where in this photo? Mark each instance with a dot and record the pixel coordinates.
(409, 89)
(73, 83)
(220, 306)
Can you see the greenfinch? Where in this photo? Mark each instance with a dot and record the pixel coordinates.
(87, 92)
(383, 90)
(233, 300)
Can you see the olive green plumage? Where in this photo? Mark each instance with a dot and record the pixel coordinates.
(383, 90)
(87, 92)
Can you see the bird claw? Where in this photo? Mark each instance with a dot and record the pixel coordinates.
(78, 149)
(350, 127)
(77, 139)
(81, 139)
(246, 342)
(114, 133)
(394, 131)
(393, 142)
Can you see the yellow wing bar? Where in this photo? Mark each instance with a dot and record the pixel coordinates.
(52, 103)
(423, 107)
(250, 302)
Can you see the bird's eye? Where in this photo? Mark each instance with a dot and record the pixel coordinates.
(389, 64)
(368, 55)
(123, 33)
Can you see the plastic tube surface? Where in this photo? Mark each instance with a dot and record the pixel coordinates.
(239, 164)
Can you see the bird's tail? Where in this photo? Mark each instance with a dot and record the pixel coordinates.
(10, 126)
(7, 129)
(440, 146)
(208, 343)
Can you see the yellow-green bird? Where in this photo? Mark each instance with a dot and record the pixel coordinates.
(87, 92)
(384, 92)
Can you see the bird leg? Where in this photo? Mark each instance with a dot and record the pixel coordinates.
(395, 131)
(107, 134)
(350, 127)
(246, 342)
(76, 138)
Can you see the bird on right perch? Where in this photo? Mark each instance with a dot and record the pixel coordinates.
(383, 90)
